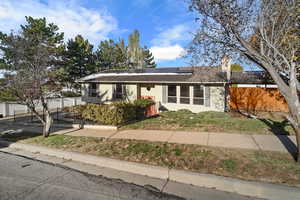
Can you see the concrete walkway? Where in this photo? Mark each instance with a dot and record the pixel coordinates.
(279, 143)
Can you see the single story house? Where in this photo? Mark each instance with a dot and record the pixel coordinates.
(195, 88)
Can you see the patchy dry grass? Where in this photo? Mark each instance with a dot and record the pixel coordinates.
(213, 122)
(237, 163)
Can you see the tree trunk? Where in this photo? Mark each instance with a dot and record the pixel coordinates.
(47, 124)
(294, 106)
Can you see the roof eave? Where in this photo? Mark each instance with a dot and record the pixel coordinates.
(187, 82)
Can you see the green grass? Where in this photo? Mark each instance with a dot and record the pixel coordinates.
(228, 165)
(212, 122)
(273, 167)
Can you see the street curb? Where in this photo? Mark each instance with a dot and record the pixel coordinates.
(248, 188)
(136, 168)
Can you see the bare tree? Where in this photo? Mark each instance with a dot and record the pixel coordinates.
(28, 58)
(264, 32)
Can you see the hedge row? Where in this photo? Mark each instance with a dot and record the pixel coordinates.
(115, 113)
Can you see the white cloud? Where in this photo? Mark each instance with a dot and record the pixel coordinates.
(174, 34)
(163, 53)
(70, 16)
(166, 45)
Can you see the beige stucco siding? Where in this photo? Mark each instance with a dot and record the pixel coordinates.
(105, 93)
(131, 92)
(155, 91)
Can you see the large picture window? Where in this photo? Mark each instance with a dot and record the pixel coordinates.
(198, 95)
(120, 91)
(93, 90)
(184, 94)
(172, 94)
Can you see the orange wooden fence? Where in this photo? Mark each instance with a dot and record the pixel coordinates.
(257, 99)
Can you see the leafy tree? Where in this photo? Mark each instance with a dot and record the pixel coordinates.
(138, 56)
(264, 32)
(135, 52)
(236, 68)
(78, 61)
(28, 58)
(148, 58)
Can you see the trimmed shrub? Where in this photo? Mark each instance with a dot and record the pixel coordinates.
(144, 103)
(113, 114)
(75, 109)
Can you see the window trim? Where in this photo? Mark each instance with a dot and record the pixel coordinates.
(204, 99)
(172, 96)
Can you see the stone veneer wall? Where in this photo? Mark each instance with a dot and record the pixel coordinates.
(217, 95)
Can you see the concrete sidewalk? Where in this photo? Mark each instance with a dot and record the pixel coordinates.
(279, 143)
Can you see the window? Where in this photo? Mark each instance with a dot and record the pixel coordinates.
(120, 91)
(185, 94)
(93, 90)
(172, 94)
(198, 95)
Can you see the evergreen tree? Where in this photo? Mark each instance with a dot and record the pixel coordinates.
(105, 55)
(111, 55)
(116, 55)
(78, 60)
(121, 55)
(148, 58)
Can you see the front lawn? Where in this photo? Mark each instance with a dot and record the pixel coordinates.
(213, 122)
(272, 167)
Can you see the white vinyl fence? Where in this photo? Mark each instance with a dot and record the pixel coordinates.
(10, 108)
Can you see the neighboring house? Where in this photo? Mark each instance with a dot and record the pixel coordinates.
(194, 88)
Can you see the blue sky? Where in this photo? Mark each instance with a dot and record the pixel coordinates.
(165, 26)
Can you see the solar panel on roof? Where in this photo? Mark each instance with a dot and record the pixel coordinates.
(151, 70)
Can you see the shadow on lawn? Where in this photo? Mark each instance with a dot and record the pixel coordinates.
(278, 129)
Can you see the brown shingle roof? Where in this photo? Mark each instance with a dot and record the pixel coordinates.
(188, 75)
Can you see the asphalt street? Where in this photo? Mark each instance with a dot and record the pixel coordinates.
(23, 178)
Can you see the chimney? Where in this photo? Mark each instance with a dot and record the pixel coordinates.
(226, 66)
